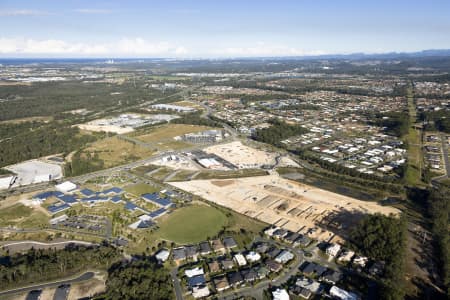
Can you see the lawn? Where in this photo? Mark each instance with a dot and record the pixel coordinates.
(140, 188)
(413, 175)
(192, 224)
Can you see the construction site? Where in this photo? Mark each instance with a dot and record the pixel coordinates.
(311, 211)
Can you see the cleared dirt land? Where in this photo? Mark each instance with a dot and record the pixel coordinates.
(242, 156)
(305, 209)
(97, 126)
(169, 131)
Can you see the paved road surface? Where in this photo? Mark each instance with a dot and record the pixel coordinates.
(62, 292)
(176, 283)
(445, 153)
(83, 277)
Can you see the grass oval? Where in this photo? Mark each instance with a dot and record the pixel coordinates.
(192, 224)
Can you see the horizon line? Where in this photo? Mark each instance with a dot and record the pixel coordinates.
(233, 57)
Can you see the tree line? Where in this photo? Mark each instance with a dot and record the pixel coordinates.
(82, 163)
(396, 123)
(342, 173)
(51, 98)
(196, 119)
(439, 214)
(384, 238)
(41, 265)
(435, 205)
(45, 140)
(141, 278)
(436, 120)
(277, 132)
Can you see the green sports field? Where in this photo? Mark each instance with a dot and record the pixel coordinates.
(192, 224)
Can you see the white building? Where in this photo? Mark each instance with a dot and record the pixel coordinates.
(333, 249)
(342, 294)
(162, 255)
(172, 107)
(284, 257)
(360, 261)
(346, 255)
(200, 292)
(194, 272)
(66, 187)
(280, 294)
(209, 163)
(252, 256)
(240, 259)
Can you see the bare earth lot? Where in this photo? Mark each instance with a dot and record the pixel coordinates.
(301, 208)
(242, 156)
(98, 125)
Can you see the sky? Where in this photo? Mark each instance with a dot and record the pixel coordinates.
(220, 28)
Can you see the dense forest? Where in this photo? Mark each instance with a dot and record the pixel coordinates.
(9, 130)
(277, 132)
(81, 165)
(384, 238)
(45, 140)
(196, 119)
(396, 123)
(48, 99)
(436, 120)
(142, 278)
(43, 265)
(439, 213)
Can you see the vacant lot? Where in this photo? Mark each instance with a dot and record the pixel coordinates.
(22, 216)
(114, 151)
(291, 205)
(192, 224)
(241, 155)
(168, 132)
(140, 188)
(97, 126)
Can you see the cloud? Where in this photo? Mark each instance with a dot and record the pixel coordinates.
(263, 49)
(126, 47)
(22, 12)
(138, 47)
(93, 11)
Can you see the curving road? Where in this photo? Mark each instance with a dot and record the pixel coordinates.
(82, 277)
(46, 244)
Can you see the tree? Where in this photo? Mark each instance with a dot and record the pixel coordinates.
(142, 278)
(384, 238)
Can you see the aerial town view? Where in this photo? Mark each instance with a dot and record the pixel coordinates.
(224, 150)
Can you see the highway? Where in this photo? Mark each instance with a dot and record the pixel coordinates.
(83, 277)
